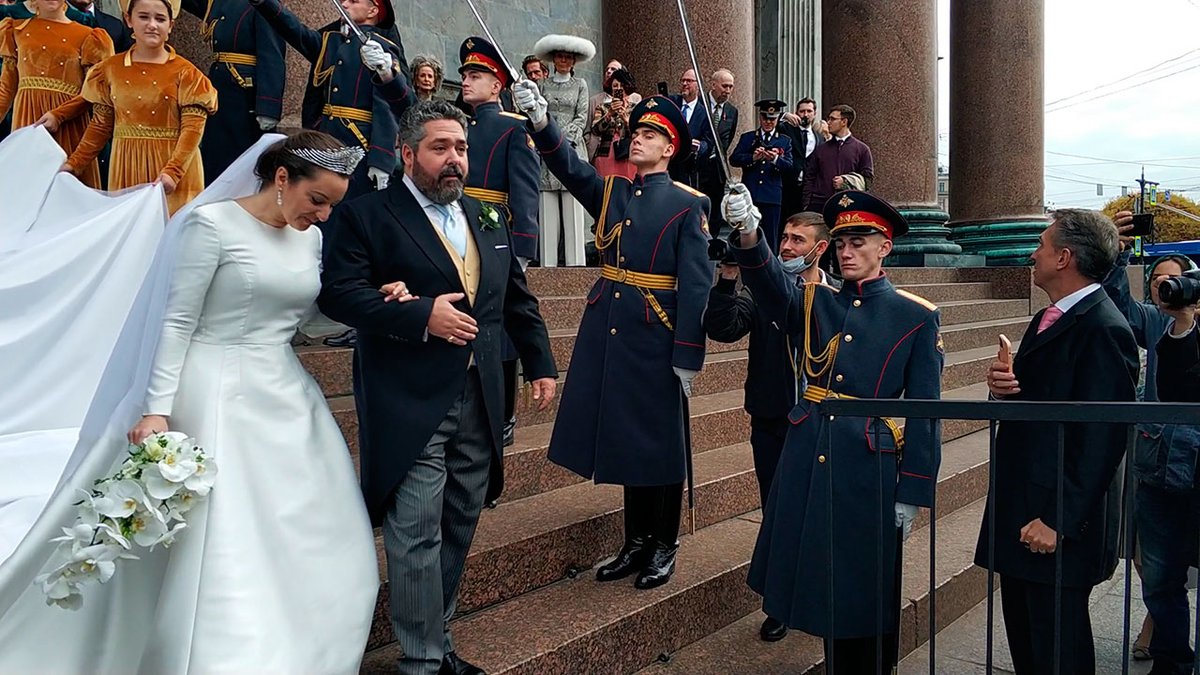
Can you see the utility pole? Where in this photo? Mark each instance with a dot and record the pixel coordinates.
(1146, 186)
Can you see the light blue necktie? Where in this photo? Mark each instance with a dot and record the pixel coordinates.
(452, 229)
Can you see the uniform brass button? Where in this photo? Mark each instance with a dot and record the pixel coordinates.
(821, 458)
(849, 338)
(628, 221)
(339, 62)
(636, 193)
(622, 258)
(839, 378)
(831, 418)
(612, 331)
(617, 294)
(858, 303)
(335, 89)
(472, 122)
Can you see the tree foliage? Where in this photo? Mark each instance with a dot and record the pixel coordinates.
(1168, 226)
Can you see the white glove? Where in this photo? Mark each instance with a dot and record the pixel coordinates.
(523, 262)
(905, 515)
(685, 378)
(266, 123)
(739, 210)
(379, 176)
(375, 57)
(530, 101)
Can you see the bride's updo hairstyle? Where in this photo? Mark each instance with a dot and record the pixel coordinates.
(304, 153)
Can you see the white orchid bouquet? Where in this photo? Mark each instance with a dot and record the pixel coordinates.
(142, 504)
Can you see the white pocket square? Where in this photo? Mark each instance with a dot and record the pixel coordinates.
(500, 246)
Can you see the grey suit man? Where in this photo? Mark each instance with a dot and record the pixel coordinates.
(725, 118)
(428, 380)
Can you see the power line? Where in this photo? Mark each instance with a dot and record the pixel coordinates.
(1122, 89)
(1124, 161)
(1122, 79)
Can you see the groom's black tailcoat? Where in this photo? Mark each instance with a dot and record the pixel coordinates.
(405, 380)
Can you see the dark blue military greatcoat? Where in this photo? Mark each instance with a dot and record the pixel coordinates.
(248, 72)
(352, 109)
(506, 171)
(831, 505)
(622, 415)
(764, 179)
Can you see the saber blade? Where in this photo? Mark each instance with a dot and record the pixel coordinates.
(687, 36)
(513, 73)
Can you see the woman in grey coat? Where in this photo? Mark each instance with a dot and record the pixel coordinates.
(567, 96)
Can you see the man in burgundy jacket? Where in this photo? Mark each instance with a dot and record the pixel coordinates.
(831, 164)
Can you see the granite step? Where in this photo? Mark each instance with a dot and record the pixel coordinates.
(960, 585)
(576, 281)
(578, 620)
(951, 292)
(976, 334)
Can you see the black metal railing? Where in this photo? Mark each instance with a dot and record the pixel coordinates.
(994, 412)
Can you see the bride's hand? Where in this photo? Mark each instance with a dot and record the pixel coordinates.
(149, 424)
(397, 291)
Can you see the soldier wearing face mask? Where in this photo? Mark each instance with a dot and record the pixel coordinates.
(773, 380)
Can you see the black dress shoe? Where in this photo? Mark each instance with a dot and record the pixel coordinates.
(510, 431)
(347, 339)
(659, 568)
(631, 559)
(453, 665)
(773, 630)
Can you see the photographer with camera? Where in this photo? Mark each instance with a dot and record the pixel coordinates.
(1179, 352)
(1167, 504)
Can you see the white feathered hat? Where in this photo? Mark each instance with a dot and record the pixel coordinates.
(582, 48)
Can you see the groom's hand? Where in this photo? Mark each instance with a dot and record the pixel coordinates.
(448, 323)
(543, 391)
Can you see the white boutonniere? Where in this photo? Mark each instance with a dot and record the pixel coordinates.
(489, 217)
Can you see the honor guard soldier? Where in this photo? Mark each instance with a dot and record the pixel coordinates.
(846, 490)
(623, 417)
(505, 171)
(248, 71)
(765, 157)
(350, 108)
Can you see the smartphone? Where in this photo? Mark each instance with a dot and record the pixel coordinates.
(1143, 224)
(662, 89)
(1005, 354)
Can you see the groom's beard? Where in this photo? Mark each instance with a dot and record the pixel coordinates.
(444, 188)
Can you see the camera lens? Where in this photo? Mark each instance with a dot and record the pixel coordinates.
(1180, 291)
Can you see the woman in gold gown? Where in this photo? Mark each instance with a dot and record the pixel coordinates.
(45, 60)
(152, 103)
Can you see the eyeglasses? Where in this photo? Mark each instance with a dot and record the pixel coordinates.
(687, 81)
(831, 118)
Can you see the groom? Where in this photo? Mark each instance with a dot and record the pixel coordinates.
(428, 380)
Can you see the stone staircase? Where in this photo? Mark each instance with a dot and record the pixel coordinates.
(529, 602)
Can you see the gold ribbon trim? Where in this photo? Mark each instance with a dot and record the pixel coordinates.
(139, 131)
(48, 83)
(486, 195)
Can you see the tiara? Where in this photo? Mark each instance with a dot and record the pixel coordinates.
(341, 161)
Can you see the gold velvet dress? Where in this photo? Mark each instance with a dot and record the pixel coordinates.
(155, 114)
(44, 67)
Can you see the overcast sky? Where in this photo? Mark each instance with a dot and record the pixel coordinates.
(1090, 45)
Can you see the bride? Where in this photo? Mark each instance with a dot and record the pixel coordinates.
(276, 571)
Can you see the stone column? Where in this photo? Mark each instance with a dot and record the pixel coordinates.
(648, 38)
(880, 58)
(996, 115)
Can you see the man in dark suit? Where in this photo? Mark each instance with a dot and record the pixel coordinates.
(1079, 348)
(121, 36)
(798, 127)
(428, 381)
(686, 169)
(725, 116)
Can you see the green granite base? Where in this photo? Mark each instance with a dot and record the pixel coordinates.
(1004, 242)
(927, 233)
(934, 260)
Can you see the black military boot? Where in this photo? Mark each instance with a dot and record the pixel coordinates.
(631, 559)
(659, 568)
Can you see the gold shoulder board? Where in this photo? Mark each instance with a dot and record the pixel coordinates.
(689, 189)
(917, 299)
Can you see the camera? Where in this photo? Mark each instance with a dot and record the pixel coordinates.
(1181, 291)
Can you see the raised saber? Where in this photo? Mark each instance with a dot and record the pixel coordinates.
(687, 36)
(514, 74)
(349, 22)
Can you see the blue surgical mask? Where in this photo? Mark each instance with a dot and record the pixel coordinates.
(797, 265)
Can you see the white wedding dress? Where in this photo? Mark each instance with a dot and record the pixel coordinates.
(276, 572)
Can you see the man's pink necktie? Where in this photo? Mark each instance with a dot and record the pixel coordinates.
(1053, 313)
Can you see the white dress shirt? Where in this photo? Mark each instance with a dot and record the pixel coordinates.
(1065, 304)
(431, 210)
